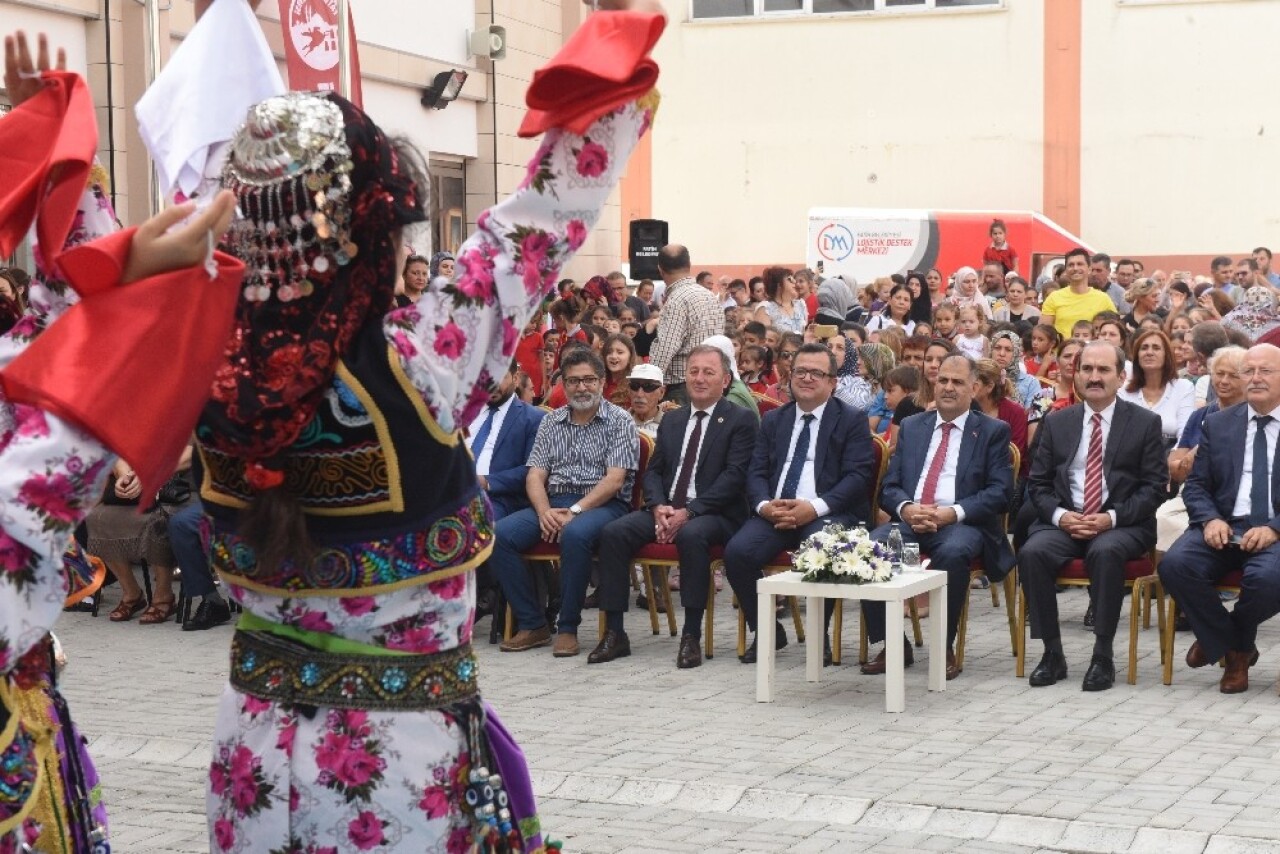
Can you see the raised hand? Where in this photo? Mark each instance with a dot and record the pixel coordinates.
(21, 75)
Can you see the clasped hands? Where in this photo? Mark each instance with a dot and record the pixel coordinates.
(1217, 534)
(787, 514)
(928, 518)
(552, 521)
(667, 522)
(1081, 527)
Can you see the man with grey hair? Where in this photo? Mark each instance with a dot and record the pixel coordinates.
(1234, 510)
(581, 473)
(694, 498)
(1096, 480)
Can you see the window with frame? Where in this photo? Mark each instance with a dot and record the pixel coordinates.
(709, 9)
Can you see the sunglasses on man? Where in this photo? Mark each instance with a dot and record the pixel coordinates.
(641, 385)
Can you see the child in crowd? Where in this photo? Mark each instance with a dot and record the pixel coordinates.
(1000, 252)
(754, 333)
(944, 321)
(971, 341)
(754, 364)
(630, 329)
(612, 326)
(1083, 329)
(1039, 347)
(900, 382)
(924, 328)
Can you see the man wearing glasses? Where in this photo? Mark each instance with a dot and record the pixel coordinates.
(581, 472)
(812, 466)
(693, 490)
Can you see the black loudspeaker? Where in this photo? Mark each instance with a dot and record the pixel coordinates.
(647, 237)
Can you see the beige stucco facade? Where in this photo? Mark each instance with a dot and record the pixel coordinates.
(1143, 125)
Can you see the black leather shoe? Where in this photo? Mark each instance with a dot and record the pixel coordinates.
(690, 654)
(1101, 674)
(208, 614)
(780, 642)
(611, 646)
(1052, 668)
(1088, 616)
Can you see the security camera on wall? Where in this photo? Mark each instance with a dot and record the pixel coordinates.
(491, 42)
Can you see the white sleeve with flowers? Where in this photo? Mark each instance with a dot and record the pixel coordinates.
(50, 472)
(458, 339)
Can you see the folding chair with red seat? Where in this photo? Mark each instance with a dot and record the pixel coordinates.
(1137, 575)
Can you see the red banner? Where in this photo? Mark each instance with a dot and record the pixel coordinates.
(310, 29)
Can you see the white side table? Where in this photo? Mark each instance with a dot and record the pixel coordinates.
(892, 592)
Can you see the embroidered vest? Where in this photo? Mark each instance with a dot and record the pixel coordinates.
(390, 498)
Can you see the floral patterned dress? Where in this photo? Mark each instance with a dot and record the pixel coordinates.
(50, 475)
(287, 780)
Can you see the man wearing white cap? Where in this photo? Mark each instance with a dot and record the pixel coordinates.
(646, 386)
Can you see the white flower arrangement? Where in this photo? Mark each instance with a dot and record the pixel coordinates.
(842, 555)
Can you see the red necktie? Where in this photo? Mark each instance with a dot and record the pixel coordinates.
(928, 494)
(1093, 469)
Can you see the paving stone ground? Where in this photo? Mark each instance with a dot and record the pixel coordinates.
(637, 756)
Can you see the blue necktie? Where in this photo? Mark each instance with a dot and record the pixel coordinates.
(482, 435)
(792, 480)
(1259, 498)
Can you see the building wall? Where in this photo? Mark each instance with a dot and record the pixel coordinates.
(1180, 146)
(761, 120)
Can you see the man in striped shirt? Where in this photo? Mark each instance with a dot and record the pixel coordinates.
(690, 315)
(581, 472)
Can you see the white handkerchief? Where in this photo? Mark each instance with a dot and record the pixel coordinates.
(222, 68)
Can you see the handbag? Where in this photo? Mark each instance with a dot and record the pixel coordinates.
(176, 490)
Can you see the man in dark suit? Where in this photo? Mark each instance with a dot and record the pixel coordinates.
(1097, 478)
(500, 439)
(812, 467)
(948, 486)
(1233, 504)
(694, 498)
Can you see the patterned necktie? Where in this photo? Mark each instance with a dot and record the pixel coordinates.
(792, 480)
(928, 495)
(1260, 489)
(1093, 470)
(687, 465)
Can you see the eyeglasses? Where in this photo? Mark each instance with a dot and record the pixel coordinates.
(787, 354)
(641, 385)
(580, 382)
(809, 373)
(1265, 373)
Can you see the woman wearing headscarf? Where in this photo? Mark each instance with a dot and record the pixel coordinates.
(835, 298)
(345, 514)
(1006, 351)
(443, 268)
(1256, 315)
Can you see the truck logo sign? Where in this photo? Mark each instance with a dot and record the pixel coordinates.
(835, 242)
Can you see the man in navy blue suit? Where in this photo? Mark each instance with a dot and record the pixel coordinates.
(500, 440)
(812, 467)
(1233, 504)
(694, 494)
(948, 486)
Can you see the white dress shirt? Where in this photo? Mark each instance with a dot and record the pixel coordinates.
(1244, 504)
(1174, 406)
(807, 490)
(944, 494)
(485, 455)
(1081, 459)
(684, 448)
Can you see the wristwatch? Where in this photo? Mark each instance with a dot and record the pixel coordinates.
(575, 509)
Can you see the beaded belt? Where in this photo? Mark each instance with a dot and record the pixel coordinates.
(287, 671)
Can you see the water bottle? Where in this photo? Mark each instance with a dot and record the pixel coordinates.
(895, 549)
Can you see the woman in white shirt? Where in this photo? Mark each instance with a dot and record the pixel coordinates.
(896, 313)
(784, 311)
(1154, 384)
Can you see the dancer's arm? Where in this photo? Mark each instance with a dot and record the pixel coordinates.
(458, 339)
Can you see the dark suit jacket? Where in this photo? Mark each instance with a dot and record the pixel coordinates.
(842, 464)
(721, 476)
(1211, 488)
(510, 453)
(984, 479)
(1133, 465)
